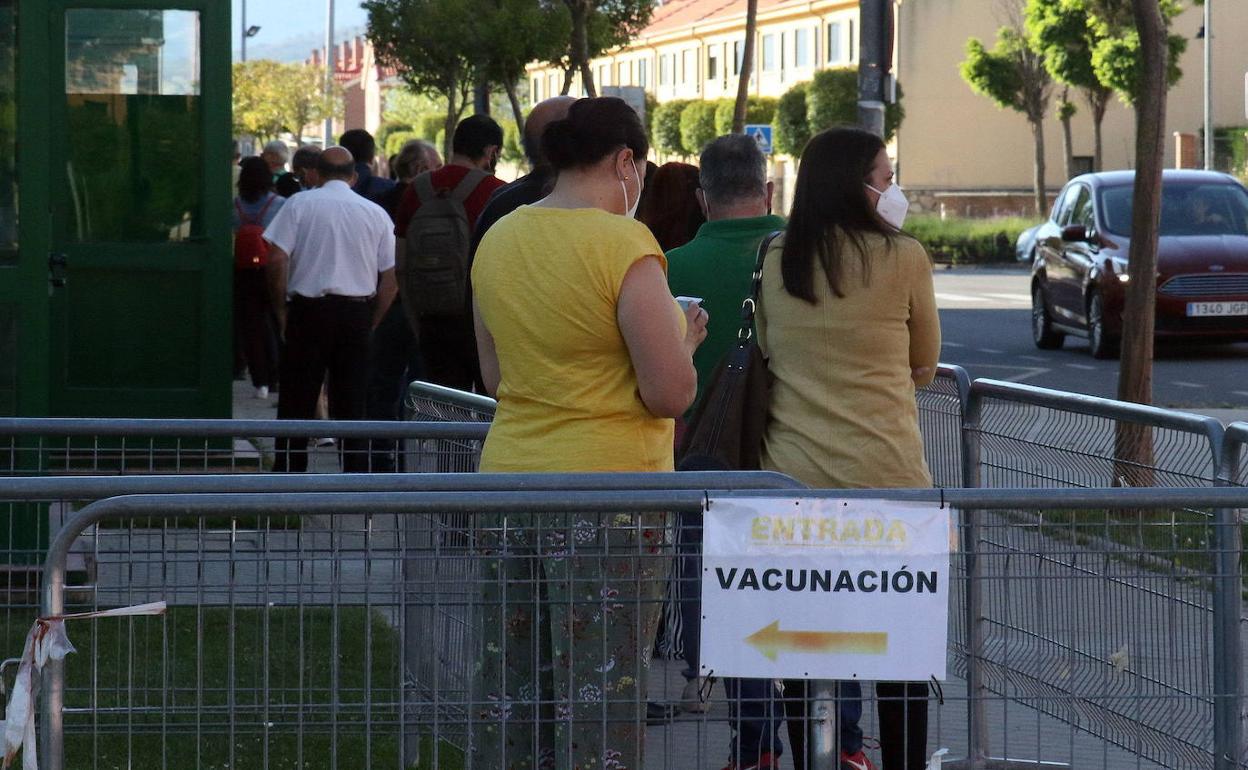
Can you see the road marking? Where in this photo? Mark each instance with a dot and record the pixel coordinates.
(1187, 384)
(1021, 298)
(1027, 372)
(1033, 358)
(958, 297)
(949, 344)
(1240, 392)
(989, 350)
(1084, 367)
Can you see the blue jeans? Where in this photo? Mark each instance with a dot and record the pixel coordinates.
(757, 709)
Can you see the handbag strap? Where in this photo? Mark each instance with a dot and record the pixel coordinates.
(750, 305)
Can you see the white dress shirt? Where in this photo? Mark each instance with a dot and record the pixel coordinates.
(338, 241)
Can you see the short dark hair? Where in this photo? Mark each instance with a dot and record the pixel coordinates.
(473, 134)
(830, 207)
(733, 168)
(306, 156)
(594, 129)
(254, 178)
(360, 144)
(331, 171)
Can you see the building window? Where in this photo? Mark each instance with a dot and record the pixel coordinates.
(769, 53)
(738, 56)
(643, 73)
(535, 93)
(603, 80)
(850, 24)
(688, 66)
(663, 74)
(553, 86)
(801, 48)
(834, 43)
(712, 64)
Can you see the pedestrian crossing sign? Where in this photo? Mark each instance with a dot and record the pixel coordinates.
(760, 133)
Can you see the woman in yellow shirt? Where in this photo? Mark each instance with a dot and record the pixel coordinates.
(847, 319)
(590, 359)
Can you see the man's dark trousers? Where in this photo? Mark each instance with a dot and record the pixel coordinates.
(448, 347)
(324, 336)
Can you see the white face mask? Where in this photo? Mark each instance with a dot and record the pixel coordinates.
(892, 205)
(632, 210)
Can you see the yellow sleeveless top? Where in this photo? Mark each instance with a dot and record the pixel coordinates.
(547, 285)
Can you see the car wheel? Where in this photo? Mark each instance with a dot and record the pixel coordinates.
(1042, 332)
(1103, 344)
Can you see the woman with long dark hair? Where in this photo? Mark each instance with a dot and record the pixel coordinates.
(255, 326)
(847, 319)
(670, 206)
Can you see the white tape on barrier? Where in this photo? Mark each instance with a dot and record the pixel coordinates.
(46, 641)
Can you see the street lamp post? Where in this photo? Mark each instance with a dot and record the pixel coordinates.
(329, 69)
(243, 36)
(1208, 30)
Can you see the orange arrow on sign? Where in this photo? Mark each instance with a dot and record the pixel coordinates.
(770, 641)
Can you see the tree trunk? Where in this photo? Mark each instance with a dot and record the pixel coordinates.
(567, 81)
(747, 67)
(452, 118)
(1098, 103)
(580, 44)
(1042, 195)
(1134, 444)
(1064, 111)
(516, 109)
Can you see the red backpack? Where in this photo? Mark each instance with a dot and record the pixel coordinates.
(250, 249)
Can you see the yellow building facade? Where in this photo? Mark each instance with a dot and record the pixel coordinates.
(951, 139)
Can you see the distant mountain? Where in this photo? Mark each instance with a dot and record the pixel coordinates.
(296, 48)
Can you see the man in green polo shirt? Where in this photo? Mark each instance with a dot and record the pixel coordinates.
(716, 266)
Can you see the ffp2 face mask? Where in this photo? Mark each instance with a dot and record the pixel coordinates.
(892, 205)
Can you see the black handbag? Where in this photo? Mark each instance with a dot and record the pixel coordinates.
(725, 432)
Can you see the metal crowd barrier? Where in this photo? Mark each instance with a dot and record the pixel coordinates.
(1235, 455)
(284, 646)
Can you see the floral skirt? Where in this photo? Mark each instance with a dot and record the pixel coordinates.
(571, 602)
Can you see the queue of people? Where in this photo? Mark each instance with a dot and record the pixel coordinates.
(555, 294)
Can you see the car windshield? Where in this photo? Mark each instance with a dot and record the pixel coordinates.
(1186, 209)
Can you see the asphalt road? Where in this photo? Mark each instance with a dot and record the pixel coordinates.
(985, 318)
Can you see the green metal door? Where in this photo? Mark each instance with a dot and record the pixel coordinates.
(138, 151)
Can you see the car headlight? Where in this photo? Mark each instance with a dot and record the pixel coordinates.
(1123, 277)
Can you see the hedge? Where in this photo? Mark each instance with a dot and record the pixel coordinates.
(789, 124)
(758, 109)
(666, 132)
(960, 241)
(697, 126)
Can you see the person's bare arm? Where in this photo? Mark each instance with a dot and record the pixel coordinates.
(275, 273)
(662, 357)
(924, 326)
(386, 289)
(488, 355)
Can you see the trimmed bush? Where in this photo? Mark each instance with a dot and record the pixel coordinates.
(789, 125)
(697, 126)
(387, 128)
(396, 139)
(652, 104)
(512, 151)
(832, 100)
(758, 109)
(430, 126)
(665, 133)
(961, 241)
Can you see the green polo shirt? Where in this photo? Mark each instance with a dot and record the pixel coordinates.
(716, 266)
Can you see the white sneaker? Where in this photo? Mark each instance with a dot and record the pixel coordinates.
(691, 700)
(262, 392)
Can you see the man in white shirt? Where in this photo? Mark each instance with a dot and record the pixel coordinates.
(331, 279)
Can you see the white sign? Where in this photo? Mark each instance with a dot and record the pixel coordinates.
(634, 96)
(825, 589)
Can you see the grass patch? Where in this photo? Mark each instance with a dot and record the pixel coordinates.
(963, 241)
(295, 687)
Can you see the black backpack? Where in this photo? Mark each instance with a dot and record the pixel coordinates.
(434, 273)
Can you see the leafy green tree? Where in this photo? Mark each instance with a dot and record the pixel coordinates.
(388, 128)
(792, 131)
(513, 33)
(395, 140)
(666, 134)
(759, 109)
(272, 98)
(1014, 77)
(597, 26)
(432, 44)
(832, 100)
(1062, 33)
(697, 126)
(406, 106)
(1065, 111)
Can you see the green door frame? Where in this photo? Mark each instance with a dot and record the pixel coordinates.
(208, 256)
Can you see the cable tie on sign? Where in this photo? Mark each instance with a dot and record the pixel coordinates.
(940, 691)
(942, 498)
(704, 692)
(46, 641)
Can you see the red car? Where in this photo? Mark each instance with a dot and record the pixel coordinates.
(1080, 269)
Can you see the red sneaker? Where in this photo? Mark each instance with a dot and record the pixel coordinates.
(767, 761)
(856, 761)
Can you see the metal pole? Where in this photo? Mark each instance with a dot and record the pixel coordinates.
(243, 34)
(329, 69)
(1227, 665)
(824, 754)
(1208, 84)
(977, 713)
(874, 61)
